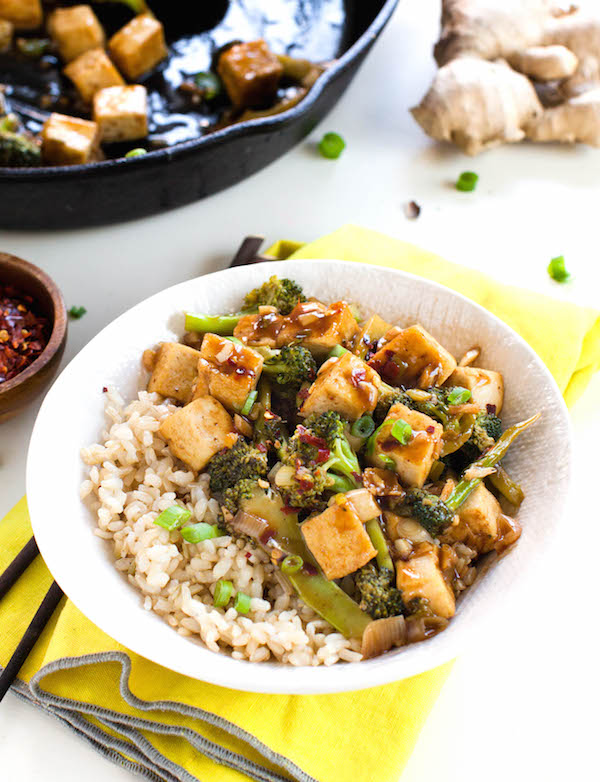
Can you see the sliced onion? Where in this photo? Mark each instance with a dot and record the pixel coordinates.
(475, 471)
(250, 525)
(363, 504)
(242, 425)
(381, 634)
(284, 475)
(418, 628)
(470, 356)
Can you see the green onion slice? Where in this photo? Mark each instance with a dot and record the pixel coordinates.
(337, 351)
(249, 403)
(196, 533)
(364, 427)
(459, 396)
(222, 596)
(242, 603)
(291, 564)
(173, 517)
(467, 181)
(401, 431)
(209, 83)
(557, 269)
(332, 145)
(137, 152)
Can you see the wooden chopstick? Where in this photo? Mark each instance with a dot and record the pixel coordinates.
(29, 639)
(18, 566)
(246, 254)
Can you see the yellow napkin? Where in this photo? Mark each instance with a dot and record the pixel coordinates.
(171, 728)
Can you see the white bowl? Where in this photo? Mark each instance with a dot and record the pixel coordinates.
(72, 416)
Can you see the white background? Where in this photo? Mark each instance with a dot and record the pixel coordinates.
(520, 704)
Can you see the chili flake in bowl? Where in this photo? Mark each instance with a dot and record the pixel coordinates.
(33, 331)
(23, 333)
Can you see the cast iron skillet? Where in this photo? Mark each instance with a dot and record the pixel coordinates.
(123, 189)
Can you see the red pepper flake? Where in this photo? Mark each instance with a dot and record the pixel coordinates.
(289, 509)
(491, 409)
(248, 555)
(309, 569)
(357, 376)
(322, 455)
(267, 535)
(262, 447)
(303, 393)
(310, 439)
(104, 390)
(23, 333)
(430, 429)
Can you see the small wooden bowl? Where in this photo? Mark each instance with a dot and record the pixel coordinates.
(17, 393)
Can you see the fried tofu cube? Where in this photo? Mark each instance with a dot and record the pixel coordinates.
(486, 386)
(122, 113)
(260, 330)
(478, 520)
(22, 14)
(68, 141)
(317, 327)
(175, 371)
(421, 576)
(346, 385)
(414, 357)
(371, 331)
(198, 431)
(338, 541)
(93, 71)
(233, 370)
(139, 46)
(75, 30)
(250, 74)
(412, 462)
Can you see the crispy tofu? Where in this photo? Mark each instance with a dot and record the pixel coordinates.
(317, 327)
(421, 576)
(478, 520)
(22, 14)
(412, 462)
(139, 46)
(122, 113)
(198, 431)
(260, 330)
(371, 331)
(233, 370)
(346, 385)
(68, 141)
(6, 34)
(413, 357)
(250, 73)
(75, 30)
(175, 371)
(486, 386)
(93, 71)
(338, 541)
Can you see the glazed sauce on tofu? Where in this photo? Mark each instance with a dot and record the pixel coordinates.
(308, 319)
(411, 368)
(234, 364)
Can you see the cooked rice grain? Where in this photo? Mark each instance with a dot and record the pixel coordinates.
(132, 478)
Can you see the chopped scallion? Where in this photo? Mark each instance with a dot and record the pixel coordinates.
(558, 270)
(137, 152)
(401, 431)
(77, 312)
(242, 603)
(222, 596)
(291, 564)
(173, 517)
(332, 145)
(196, 533)
(249, 403)
(467, 181)
(209, 83)
(459, 396)
(337, 351)
(363, 427)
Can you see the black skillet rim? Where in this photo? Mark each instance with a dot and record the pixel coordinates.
(250, 127)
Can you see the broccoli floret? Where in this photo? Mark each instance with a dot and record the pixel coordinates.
(233, 497)
(419, 607)
(486, 431)
(283, 294)
(378, 595)
(387, 398)
(431, 401)
(291, 366)
(322, 460)
(429, 510)
(18, 150)
(240, 462)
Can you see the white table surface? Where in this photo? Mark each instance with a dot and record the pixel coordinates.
(519, 704)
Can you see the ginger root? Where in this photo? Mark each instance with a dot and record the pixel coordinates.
(514, 69)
